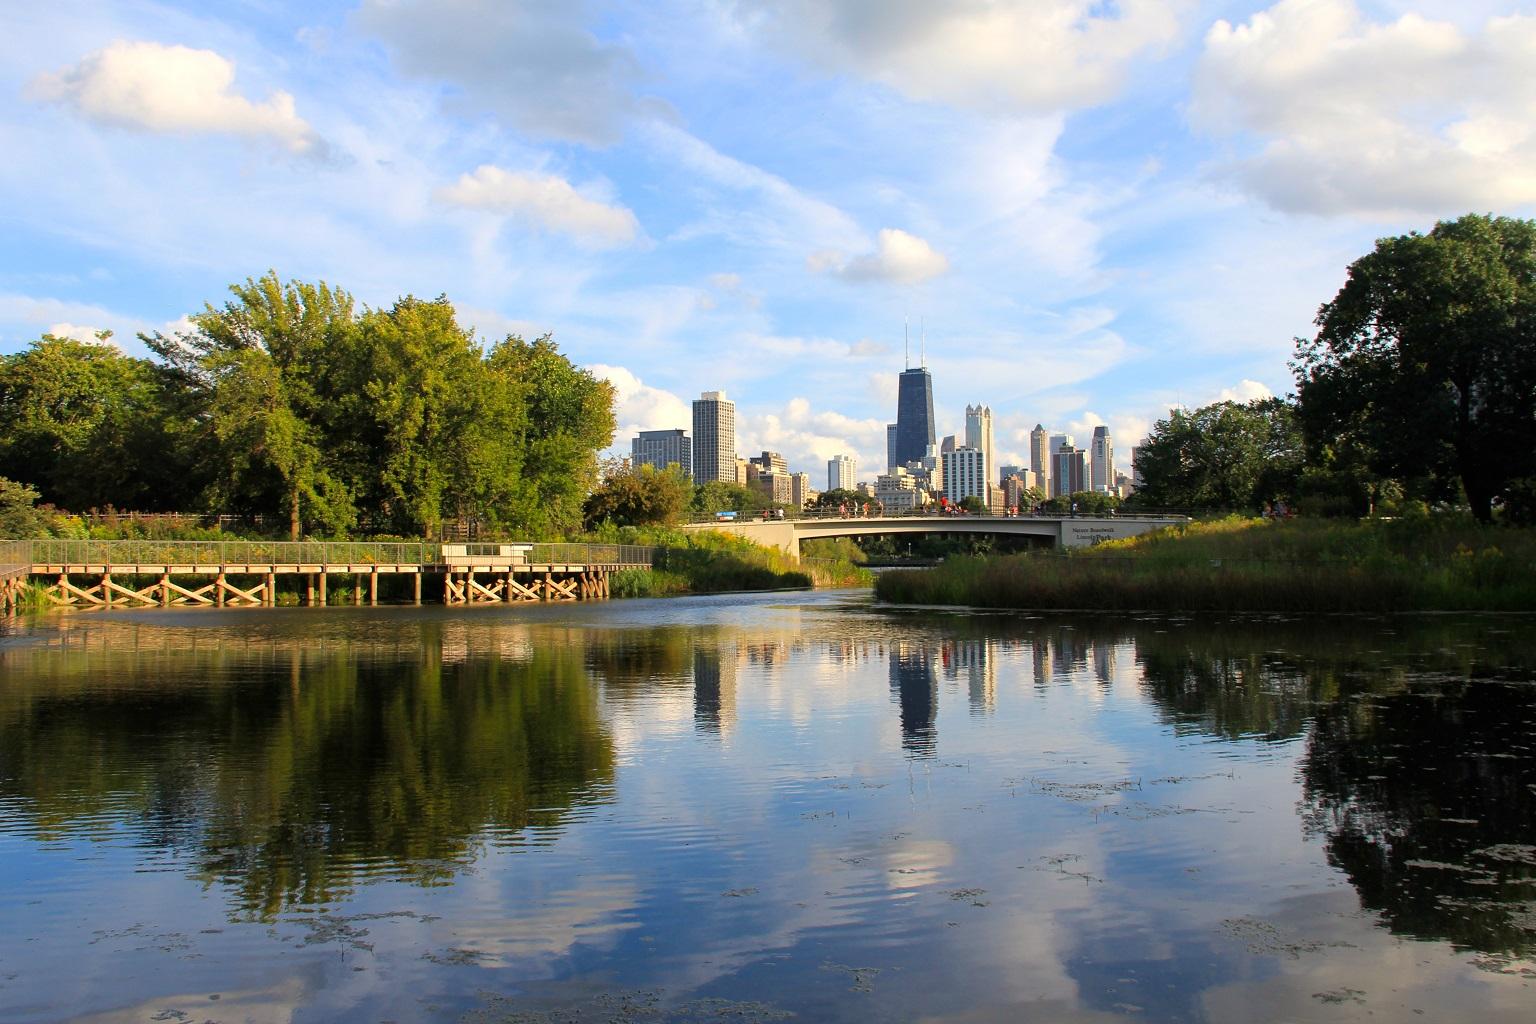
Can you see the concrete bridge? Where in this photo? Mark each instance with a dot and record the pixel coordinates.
(1056, 531)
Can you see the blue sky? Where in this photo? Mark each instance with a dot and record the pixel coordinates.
(1098, 210)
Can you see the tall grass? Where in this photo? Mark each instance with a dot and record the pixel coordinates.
(706, 562)
(1421, 564)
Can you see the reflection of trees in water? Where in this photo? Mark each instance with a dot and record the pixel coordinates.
(287, 782)
(1427, 800)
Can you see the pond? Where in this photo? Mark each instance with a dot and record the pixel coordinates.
(765, 807)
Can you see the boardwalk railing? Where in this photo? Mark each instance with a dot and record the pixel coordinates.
(15, 559)
(21, 556)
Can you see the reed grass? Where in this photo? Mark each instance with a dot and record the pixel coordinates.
(1422, 564)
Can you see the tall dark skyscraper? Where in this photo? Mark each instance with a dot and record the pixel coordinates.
(914, 415)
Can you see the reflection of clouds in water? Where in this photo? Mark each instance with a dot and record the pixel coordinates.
(917, 863)
(276, 1004)
(506, 926)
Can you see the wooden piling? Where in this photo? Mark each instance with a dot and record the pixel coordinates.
(416, 587)
(373, 586)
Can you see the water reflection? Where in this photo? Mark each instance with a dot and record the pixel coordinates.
(289, 769)
(915, 689)
(614, 793)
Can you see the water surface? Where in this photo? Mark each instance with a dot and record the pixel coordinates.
(765, 807)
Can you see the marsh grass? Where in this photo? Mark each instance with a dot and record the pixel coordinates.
(1421, 564)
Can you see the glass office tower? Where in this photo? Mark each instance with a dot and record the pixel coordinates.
(914, 415)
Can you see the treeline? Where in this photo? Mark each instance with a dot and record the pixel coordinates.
(1418, 389)
(292, 401)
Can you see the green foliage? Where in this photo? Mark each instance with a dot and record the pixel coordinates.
(638, 496)
(19, 515)
(1226, 456)
(973, 505)
(1238, 564)
(704, 561)
(841, 497)
(87, 426)
(1423, 369)
(1083, 503)
(719, 496)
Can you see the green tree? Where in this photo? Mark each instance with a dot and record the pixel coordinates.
(19, 515)
(841, 497)
(1425, 361)
(638, 496)
(720, 496)
(85, 425)
(269, 370)
(1085, 503)
(1228, 455)
(569, 420)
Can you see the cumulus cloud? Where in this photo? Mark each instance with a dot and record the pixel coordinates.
(1374, 119)
(639, 406)
(545, 200)
(1021, 55)
(80, 332)
(175, 90)
(807, 438)
(535, 65)
(898, 258)
(1244, 391)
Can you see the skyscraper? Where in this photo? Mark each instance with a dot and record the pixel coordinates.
(914, 414)
(714, 438)
(1040, 458)
(1103, 460)
(661, 448)
(978, 435)
(842, 470)
(1069, 471)
(890, 447)
(965, 475)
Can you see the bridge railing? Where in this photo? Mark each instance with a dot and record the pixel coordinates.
(591, 554)
(15, 558)
(822, 514)
(233, 552)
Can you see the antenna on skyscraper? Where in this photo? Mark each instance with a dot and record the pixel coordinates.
(906, 343)
(922, 330)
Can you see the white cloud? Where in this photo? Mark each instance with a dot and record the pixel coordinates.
(546, 200)
(808, 438)
(1358, 117)
(638, 406)
(535, 65)
(1024, 55)
(1244, 391)
(173, 89)
(898, 258)
(79, 332)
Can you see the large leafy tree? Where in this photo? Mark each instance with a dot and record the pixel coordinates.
(638, 496)
(1424, 364)
(87, 426)
(267, 373)
(569, 420)
(1227, 455)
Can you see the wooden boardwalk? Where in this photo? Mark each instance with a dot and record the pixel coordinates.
(163, 574)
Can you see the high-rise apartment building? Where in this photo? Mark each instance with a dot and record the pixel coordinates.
(1069, 471)
(772, 462)
(661, 448)
(978, 435)
(1040, 457)
(714, 438)
(890, 447)
(1102, 472)
(801, 491)
(914, 415)
(842, 470)
(1058, 442)
(965, 475)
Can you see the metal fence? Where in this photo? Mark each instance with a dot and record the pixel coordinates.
(24, 554)
(15, 558)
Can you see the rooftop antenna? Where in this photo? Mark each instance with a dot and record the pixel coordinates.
(922, 327)
(906, 341)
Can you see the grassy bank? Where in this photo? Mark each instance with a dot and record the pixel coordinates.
(1421, 564)
(705, 563)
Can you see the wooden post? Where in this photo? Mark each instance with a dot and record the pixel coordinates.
(373, 586)
(357, 589)
(271, 590)
(416, 587)
(106, 589)
(165, 590)
(549, 586)
(506, 595)
(218, 589)
(323, 597)
(309, 590)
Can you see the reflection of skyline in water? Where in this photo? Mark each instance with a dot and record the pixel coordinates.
(915, 688)
(603, 799)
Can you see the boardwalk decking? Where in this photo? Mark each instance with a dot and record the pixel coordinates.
(149, 573)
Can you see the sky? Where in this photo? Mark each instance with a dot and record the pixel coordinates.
(1081, 211)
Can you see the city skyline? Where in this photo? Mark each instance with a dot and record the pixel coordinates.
(1099, 212)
